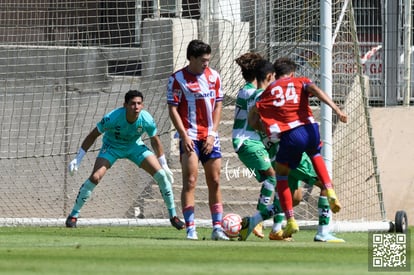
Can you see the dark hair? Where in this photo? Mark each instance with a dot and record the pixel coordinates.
(247, 63)
(197, 48)
(262, 69)
(284, 65)
(131, 94)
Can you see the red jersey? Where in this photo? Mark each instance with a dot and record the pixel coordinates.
(284, 105)
(195, 97)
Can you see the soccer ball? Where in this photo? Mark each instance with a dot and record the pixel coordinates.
(231, 225)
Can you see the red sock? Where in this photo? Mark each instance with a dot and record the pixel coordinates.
(285, 196)
(321, 170)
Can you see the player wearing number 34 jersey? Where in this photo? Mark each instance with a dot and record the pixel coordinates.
(285, 113)
(294, 106)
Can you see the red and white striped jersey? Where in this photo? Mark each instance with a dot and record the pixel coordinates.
(195, 97)
(284, 105)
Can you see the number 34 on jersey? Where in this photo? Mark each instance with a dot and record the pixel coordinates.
(282, 97)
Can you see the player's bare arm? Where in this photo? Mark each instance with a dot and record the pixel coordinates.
(90, 139)
(208, 145)
(157, 146)
(159, 152)
(316, 91)
(179, 126)
(217, 115)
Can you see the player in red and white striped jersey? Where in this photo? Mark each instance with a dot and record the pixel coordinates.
(194, 97)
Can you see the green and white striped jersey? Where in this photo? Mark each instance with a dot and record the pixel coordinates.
(245, 100)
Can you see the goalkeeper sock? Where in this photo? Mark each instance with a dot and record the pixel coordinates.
(216, 214)
(166, 191)
(84, 194)
(321, 170)
(325, 214)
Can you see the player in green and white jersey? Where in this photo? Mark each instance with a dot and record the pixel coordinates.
(247, 142)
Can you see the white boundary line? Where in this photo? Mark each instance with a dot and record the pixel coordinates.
(336, 226)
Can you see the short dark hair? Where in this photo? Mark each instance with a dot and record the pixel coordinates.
(262, 69)
(197, 48)
(133, 93)
(284, 65)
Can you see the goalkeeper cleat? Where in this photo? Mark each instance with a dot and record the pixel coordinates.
(218, 235)
(328, 238)
(192, 234)
(291, 228)
(333, 201)
(177, 223)
(258, 230)
(247, 228)
(71, 222)
(278, 236)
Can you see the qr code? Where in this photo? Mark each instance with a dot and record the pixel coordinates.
(389, 251)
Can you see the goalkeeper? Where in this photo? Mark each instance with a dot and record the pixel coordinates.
(122, 129)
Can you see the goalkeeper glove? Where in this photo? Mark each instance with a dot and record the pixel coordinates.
(75, 163)
(167, 170)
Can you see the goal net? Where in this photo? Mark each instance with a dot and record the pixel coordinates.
(64, 64)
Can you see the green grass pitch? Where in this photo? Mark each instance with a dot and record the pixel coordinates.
(164, 250)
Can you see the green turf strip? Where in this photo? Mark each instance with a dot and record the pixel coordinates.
(164, 250)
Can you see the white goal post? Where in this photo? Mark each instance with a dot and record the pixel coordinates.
(66, 63)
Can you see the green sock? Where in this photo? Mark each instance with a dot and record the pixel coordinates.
(324, 215)
(268, 185)
(85, 192)
(279, 215)
(277, 221)
(166, 191)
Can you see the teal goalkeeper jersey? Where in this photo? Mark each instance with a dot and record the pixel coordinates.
(246, 99)
(120, 134)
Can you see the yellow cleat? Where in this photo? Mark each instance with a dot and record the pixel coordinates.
(291, 228)
(258, 230)
(278, 236)
(333, 201)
